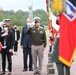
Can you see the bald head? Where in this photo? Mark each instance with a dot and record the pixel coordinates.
(28, 20)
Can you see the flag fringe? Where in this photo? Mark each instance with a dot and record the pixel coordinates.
(67, 63)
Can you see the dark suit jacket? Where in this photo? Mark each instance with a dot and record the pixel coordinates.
(9, 39)
(18, 34)
(25, 38)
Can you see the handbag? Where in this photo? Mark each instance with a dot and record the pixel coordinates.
(0, 46)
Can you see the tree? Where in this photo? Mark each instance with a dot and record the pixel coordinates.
(19, 17)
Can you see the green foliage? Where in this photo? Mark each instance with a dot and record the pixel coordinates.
(43, 15)
(19, 17)
(20, 28)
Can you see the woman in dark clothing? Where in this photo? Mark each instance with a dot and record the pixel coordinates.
(60, 65)
(6, 38)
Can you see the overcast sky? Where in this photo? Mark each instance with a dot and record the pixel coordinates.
(22, 4)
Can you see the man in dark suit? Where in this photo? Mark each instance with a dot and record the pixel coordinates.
(16, 38)
(26, 46)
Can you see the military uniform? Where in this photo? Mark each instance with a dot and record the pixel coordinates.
(38, 38)
(60, 65)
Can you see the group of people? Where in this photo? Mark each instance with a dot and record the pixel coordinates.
(33, 43)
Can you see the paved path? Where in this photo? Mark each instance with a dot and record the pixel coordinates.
(18, 64)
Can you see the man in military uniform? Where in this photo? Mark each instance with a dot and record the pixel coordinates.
(38, 37)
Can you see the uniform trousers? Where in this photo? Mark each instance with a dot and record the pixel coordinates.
(63, 69)
(37, 53)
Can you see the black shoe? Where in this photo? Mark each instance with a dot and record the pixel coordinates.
(35, 73)
(24, 70)
(30, 69)
(2, 73)
(38, 72)
(9, 73)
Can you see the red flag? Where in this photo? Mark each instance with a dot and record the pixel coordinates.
(67, 42)
(52, 31)
(52, 24)
(49, 24)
